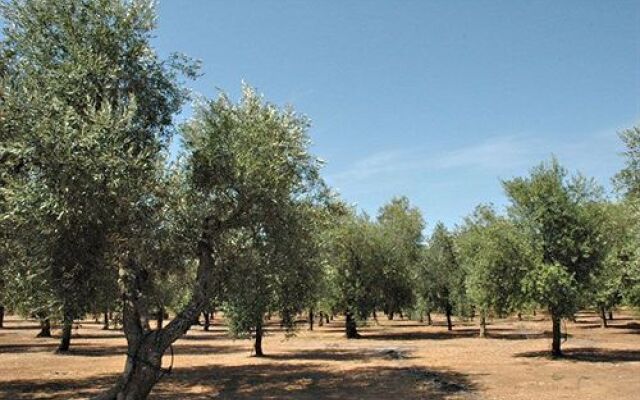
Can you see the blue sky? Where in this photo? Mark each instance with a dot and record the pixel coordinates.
(435, 100)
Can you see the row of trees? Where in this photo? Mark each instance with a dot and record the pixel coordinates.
(95, 219)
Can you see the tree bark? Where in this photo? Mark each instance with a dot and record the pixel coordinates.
(610, 315)
(65, 340)
(326, 318)
(351, 327)
(45, 328)
(448, 312)
(1, 316)
(105, 325)
(519, 316)
(390, 315)
(321, 319)
(483, 325)
(207, 320)
(145, 348)
(160, 319)
(311, 316)
(258, 344)
(603, 317)
(142, 370)
(556, 351)
(429, 321)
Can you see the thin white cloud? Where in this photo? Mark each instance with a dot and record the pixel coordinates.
(498, 155)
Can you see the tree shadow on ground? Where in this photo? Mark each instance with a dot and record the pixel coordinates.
(269, 381)
(588, 354)
(341, 355)
(95, 350)
(492, 333)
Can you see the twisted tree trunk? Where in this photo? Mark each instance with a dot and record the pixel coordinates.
(143, 367)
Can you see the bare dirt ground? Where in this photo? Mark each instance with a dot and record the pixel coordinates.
(395, 360)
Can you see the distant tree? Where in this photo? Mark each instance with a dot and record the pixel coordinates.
(441, 275)
(495, 259)
(628, 182)
(401, 228)
(555, 214)
(354, 265)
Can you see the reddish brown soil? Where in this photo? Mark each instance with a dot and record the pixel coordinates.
(395, 360)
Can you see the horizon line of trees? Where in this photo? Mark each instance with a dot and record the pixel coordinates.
(95, 219)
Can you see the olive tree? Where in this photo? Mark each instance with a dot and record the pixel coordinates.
(86, 106)
(496, 259)
(400, 227)
(271, 260)
(441, 276)
(556, 215)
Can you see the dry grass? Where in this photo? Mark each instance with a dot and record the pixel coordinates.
(395, 360)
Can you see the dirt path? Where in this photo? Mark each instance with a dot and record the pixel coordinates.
(396, 360)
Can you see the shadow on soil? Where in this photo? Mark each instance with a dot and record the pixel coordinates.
(492, 333)
(269, 380)
(588, 354)
(93, 350)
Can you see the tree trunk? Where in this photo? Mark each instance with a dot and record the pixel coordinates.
(65, 340)
(145, 348)
(351, 327)
(326, 318)
(448, 312)
(483, 325)
(1, 316)
(603, 317)
(105, 325)
(401, 315)
(258, 344)
(534, 312)
(519, 316)
(142, 369)
(610, 315)
(429, 321)
(160, 320)
(311, 316)
(207, 320)
(555, 346)
(390, 315)
(45, 328)
(321, 319)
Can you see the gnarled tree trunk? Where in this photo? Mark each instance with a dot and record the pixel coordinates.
(145, 348)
